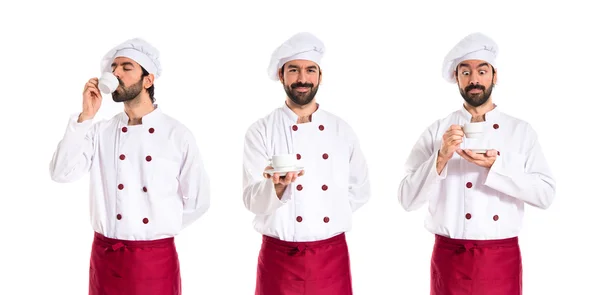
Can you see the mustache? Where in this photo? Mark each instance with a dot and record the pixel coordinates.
(476, 86)
(300, 84)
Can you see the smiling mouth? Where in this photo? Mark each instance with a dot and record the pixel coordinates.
(301, 89)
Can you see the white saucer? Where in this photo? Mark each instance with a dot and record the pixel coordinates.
(479, 151)
(283, 171)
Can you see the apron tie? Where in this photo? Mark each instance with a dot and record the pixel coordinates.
(298, 250)
(116, 247)
(466, 247)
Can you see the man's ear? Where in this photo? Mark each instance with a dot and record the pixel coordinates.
(148, 81)
(281, 74)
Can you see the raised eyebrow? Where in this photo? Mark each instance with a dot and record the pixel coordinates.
(479, 66)
(463, 66)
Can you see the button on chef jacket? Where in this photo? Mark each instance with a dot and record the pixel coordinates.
(319, 204)
(147, 181)
(467, 201)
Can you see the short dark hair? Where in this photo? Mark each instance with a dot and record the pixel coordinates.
(151, 89)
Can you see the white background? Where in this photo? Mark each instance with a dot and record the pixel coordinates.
(382, 74)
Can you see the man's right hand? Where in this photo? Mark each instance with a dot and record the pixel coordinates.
(281, 182)
(92, 99)
(451, 141)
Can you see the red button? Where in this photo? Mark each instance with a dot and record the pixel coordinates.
(124, 129)
(498, 153)
(299, 218)
(469, 185)
(298, 156)
(468, 216)
(118, 216)
(325, 156)
(496, 217)
(122, 157)
(121, 186)
(324, 187)
(294, 127)
(496, 126)
(326, 219)
(145, 189)
(151, 130)
(321, 127)
(299, 187)
(148, 158)
(145, 220)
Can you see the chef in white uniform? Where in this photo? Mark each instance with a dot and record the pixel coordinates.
(476, 200)
(303, 215)
(147, 179)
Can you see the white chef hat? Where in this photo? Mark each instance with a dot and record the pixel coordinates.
(473, 46)
(300, 46)
(138, 50)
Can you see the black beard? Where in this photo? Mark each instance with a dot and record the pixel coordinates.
(476, 100)
(128, 93)
(301, 98)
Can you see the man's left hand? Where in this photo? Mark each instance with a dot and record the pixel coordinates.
(484, 160)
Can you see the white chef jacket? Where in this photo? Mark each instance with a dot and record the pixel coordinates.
(319, 204)
(471, 202)
(147, 181)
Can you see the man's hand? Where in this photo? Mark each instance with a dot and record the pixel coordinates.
(92, 99)
(451, 141)
(484, 160)
(281, 182)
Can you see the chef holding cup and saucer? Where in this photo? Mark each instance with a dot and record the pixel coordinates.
(304, 211)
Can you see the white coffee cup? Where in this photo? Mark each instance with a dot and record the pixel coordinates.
(283, 161)
(108, 83)
(473, 130)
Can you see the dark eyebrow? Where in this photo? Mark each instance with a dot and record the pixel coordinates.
(297, 67)
(483, 64)
(114, 64)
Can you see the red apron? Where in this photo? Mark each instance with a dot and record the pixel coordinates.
(119, 267)
(476, 267)
(295, 268)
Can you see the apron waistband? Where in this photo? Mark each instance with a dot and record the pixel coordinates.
(301, 246)
(116, 244)
(470, 244)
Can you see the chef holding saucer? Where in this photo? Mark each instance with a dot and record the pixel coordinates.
(476, 187)
(303, 214)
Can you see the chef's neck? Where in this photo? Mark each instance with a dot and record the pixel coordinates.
(137, 108)
(304, 112)
(478, 113)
